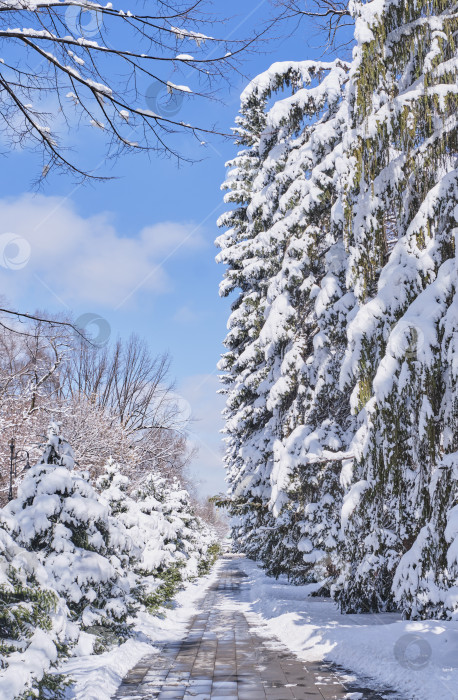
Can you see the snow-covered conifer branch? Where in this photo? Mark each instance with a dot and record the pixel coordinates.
(341, 371)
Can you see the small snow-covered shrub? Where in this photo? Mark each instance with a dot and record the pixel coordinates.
(34, 628)
(185, 537)
(162, 588)
(160, 519)
(51, 686)
(85, 550)
(205, 565)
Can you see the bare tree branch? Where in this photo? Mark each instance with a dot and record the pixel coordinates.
(50, 321)
(331, 15)
(49, 53)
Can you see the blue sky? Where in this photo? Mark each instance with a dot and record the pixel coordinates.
(138, 250)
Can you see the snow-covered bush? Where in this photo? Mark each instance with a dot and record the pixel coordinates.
(34, 625)
(174, 544)
(86, 552)
(74, 557)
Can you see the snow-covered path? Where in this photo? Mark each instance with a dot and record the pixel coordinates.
(230, 653)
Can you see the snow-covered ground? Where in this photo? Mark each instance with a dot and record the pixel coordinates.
(418, 659)
(97, 677)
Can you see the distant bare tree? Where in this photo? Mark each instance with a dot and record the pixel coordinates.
(116, 401)
(133, 387)
(128, 382)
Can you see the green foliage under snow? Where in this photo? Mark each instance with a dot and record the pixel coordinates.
(341, 368)
(76, 557)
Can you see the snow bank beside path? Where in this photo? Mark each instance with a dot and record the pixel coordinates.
(418, 659)
(97, 677)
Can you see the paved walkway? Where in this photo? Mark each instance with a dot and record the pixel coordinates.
(225, 657)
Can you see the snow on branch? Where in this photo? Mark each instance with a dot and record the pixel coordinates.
(70, 55)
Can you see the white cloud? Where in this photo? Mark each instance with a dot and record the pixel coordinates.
(86, 259)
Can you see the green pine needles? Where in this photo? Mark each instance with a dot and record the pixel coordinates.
(341, 372)
(78, 561)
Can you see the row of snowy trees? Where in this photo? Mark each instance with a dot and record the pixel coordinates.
(78, 560)
(341, 367)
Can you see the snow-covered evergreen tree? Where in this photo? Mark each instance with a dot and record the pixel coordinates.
(113, 485)
(77, 558)
(183, 539)
(57, 449)
(400, 201)
(33, 623)
(284, 187)
(174, 544)
(342, 242)
(86, 552)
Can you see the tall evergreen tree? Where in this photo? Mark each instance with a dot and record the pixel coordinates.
(284, 187)
(399, 200)
(342, 243)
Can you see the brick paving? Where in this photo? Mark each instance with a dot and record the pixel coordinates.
(226, 655)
